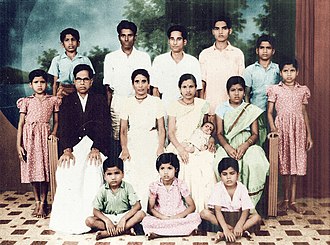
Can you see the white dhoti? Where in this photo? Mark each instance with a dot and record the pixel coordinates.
(77, 186)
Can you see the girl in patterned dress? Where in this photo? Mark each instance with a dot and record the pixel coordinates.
(32, 133)
(292, 124)
(170, 204)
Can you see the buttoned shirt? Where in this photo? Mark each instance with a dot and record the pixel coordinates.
(166, 73)
(217, 67)
(62, 67)
(118, 68)
(118, 202)
(239, 202)
(259, 79)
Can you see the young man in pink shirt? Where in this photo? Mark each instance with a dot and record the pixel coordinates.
(218, 63)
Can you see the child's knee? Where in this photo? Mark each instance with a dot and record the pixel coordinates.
(205, 214)
(90, 221)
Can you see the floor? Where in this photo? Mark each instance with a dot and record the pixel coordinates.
(17, 226)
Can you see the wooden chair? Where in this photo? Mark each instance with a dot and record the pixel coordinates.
(273, 174)
(53, 159)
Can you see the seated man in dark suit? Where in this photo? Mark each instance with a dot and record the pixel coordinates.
(85, 130)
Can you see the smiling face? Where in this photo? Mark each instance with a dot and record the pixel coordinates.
(188, 89)
(141, 86)
(113, 176)
(236, 94)
(82, 82)
(229, 177)
(167, 173)
(70, 43)
(221, 31)
(38, 85)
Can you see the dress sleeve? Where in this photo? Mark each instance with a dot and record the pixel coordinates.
(220, 111)
(153, 189)
(57, 103)
(171, 111)
(307, 95)
(205, 108)
(22, 105)
(272, 96)
(183, 188)
(160, 108)
(124, 112)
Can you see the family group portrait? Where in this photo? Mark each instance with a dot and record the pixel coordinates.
(165, 122)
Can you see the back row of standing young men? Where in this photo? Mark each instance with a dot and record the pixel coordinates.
(215, 65)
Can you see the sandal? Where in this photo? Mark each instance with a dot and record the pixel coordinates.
(294, 207)
(284, 205)
(36, 209)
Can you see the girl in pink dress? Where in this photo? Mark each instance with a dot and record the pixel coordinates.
(292, 125)
(170, 204)
(32, 133)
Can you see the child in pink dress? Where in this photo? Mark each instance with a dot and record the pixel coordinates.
(32, 133)
(292, 124)
(170, 204)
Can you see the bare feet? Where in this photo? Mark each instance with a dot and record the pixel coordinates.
(42, 212)
(152, 236)
(284, 205)
(36, 209)
(219, 237)
(101, 235)
(294, 207)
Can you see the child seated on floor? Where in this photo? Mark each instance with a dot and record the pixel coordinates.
(116, 206)
(230, 205)
(170, 204)
(200, 138)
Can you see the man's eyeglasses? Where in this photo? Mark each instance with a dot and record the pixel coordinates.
(80, 80)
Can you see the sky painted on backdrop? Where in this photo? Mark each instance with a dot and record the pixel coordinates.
(96, 21)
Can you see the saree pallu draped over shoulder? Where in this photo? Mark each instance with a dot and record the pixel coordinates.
(198, 172)
(253, 166)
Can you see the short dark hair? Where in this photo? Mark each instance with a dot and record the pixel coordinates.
(235, 80)
(288, 61)
(83, 67)
(265, 38)
(223, 18)
(142, 72)
(226, 163)
(68, 31)
(186, 77)
(125, 24)
(179, 28)
(170, 158)
(113, 162)
(38, 73)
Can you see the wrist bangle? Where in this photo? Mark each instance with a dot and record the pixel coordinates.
(250, 141)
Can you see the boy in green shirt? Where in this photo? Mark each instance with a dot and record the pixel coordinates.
(116, 206)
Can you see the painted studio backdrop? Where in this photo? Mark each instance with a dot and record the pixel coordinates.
(30, 39)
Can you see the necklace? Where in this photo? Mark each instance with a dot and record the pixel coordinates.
(141, 98)
(185, 103)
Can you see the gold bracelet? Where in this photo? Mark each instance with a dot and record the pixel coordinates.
(250, 141)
